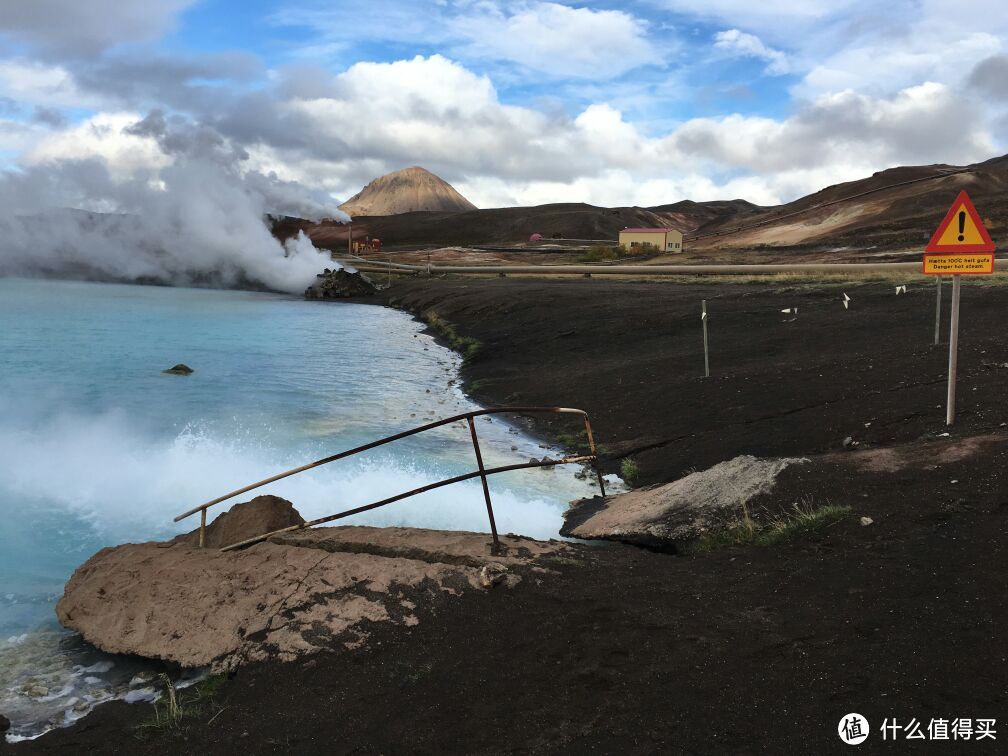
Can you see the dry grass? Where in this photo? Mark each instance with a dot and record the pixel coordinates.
(804, 518)
(175, 710)
(464, 345)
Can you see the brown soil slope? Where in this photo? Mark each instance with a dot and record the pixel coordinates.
(899, 207)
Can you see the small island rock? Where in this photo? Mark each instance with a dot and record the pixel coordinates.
(338, 284)
(180, 369)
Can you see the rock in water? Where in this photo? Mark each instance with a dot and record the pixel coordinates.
(4, 723)
(180, 369)
(339, 284)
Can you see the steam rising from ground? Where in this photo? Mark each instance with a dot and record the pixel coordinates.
(190, 214)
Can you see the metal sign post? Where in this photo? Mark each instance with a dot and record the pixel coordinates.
(953, 351)
(938, 311)
(706, 356)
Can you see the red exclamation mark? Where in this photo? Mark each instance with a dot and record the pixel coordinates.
(962, 225)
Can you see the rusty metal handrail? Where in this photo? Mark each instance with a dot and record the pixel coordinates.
(481, 473)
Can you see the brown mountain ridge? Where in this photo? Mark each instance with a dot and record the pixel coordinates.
(891, 210)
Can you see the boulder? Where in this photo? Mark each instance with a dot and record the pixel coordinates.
(180, 369)
(339, 284)
(4, 723)
(670, 516)
(263, 514)
(314, 589)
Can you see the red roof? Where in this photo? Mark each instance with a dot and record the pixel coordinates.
(648, 230)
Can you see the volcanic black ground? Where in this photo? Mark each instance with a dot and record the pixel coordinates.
(742, 650)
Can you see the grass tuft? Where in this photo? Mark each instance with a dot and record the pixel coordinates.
(467, 346)
(175, 708)
(629, 471)
(804, 518)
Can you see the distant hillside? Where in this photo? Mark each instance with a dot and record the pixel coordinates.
(512, 225)
(406, 191)
(894, 209)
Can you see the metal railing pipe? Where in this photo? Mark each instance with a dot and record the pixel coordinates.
(407, 494)
(375, 444)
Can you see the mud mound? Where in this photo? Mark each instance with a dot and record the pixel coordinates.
(263, 514)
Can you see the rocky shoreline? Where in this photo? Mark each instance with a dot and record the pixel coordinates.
(887, 608)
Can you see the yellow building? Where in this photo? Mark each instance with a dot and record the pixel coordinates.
(662, 239)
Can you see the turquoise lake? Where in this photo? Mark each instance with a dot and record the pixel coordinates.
(99, 447)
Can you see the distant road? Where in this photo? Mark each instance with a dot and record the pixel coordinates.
(651, 270)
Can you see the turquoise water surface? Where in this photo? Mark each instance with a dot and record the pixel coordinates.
(98, 446)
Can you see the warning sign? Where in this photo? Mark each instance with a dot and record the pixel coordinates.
(960, 231)
(974, 263)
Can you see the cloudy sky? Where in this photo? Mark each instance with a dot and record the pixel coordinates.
(521, 102)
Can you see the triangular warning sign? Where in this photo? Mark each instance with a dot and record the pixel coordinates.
(961, 231)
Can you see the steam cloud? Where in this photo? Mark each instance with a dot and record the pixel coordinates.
(200, 219)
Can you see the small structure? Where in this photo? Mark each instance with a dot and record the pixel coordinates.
(368, 245)
(535, 238)
(662, 239)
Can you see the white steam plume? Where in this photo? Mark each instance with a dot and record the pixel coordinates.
(199, 219)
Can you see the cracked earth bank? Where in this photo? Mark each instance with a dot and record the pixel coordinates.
(290, 596)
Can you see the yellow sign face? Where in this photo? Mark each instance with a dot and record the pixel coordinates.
(975, 263)
(961, 230)
(969, 236)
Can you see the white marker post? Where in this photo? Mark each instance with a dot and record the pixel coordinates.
(938, 312)
(953, 351)
(706, 356)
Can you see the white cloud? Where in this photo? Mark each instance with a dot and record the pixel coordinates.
(438, 113)
(615, 188)
(738, 43)
(882, 66)
(557, 39)
(35, 83)
(547, 37)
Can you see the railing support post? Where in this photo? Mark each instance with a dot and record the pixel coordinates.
(495, 550)
(202, 528)
(591, 446)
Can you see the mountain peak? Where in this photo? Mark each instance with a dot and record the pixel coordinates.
(405, 191)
